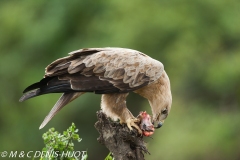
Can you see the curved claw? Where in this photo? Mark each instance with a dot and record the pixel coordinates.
(132, 123)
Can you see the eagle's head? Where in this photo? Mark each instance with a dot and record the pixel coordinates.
(161, 100)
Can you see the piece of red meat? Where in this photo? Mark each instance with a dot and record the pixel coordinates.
(146, 124)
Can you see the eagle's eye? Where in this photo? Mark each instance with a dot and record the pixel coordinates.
(165, 111)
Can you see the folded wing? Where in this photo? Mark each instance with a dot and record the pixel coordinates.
(98, 70)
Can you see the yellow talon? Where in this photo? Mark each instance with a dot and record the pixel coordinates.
(131, 123)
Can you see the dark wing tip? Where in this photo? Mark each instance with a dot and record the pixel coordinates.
(36, 85)
(31, 87)
(29, 94)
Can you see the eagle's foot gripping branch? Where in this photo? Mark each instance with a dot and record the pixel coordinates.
(132, 123)
(122, 143)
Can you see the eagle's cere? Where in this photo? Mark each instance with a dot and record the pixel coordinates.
(112, 72)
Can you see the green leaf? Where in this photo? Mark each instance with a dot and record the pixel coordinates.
(109, 157)
(55, 141)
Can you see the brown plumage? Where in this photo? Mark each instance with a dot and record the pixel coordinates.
(113, 72)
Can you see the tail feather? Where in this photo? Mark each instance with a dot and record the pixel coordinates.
(63, 100)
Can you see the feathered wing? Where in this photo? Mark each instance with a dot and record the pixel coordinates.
(113, 69)
(99, 70)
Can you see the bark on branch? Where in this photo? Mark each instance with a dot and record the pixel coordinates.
(123, 144)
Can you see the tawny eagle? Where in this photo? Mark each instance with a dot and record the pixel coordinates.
(112, 72)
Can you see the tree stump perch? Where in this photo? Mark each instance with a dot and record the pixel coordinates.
(121, 142)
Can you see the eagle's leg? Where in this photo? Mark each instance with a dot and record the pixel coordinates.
(114, 106)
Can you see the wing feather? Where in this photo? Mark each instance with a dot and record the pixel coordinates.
(123, 70)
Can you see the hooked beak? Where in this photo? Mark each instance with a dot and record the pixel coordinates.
(159, 125)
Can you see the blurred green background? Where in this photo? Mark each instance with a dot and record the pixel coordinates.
(197, 41)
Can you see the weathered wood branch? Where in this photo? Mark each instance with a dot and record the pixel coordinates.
(123, 144)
